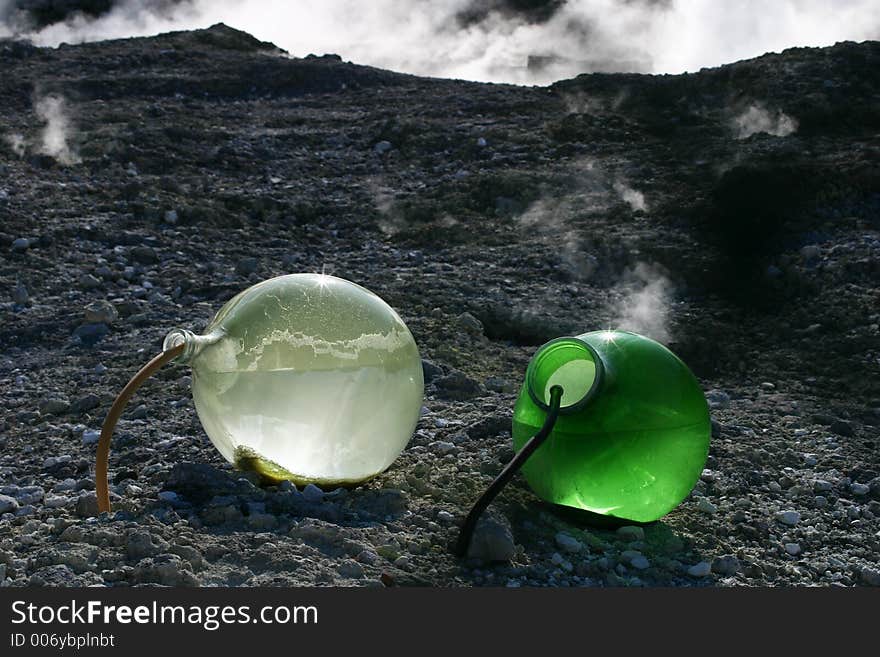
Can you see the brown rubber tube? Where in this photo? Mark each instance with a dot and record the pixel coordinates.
(101, 487)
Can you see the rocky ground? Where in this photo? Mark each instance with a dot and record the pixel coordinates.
(733, 213)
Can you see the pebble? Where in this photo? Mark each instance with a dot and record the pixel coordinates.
(822, 486)
(54, 406)
(558, 560)
(87, 505)
(140, 544)
(247, 266)
(810, 252)
(90, 436)
(56, 501)
(492, 541)
(640, 562)
(85, 403)
(717, 399)
(859, 490)
(430, 371)
(457, 386)
(25, 495)
(171, 217)
(21, 244)
(312, 493)
(498, 384)
(351, 569)
(8, 504)
(870, 576)
(262, 522)
(368, 557)
(55, 461)
(793, 549)
(726, 565)
(842, 428)
(481, 142)
(91, 333)
(568, 543)
(445, 516)
(89, 282)
(382, 147)
(146, 255)
(701, 569)
(139, 413)
(470, 324)
(706, 506)
(631, 533)
(790, 518)
(101, 312)
(20, 294)
(64, 486)
(442, 447)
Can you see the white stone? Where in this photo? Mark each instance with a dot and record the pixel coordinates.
(700, 569)
(790, 518)
(90, 436)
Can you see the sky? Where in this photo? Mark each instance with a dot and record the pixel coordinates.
(493, 40)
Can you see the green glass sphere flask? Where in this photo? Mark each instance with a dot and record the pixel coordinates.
(633, 430)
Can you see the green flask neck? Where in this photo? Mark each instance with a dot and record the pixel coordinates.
(570, 363)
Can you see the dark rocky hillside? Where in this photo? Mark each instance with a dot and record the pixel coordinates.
(733, 214)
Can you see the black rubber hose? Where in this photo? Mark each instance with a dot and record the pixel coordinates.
(467, 529)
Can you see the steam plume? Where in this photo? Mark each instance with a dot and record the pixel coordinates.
(17, 143)
(635, 199)
(56, 133)
(492, 40)
(645, 307)
(758, 119)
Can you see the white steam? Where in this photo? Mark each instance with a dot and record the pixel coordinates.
(428, 37)
(390, 220)
(645, 307)
(758, 119)
(634, 198)
(55, 135)
(17, 143)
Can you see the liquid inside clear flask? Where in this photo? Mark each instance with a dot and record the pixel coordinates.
(307, 378)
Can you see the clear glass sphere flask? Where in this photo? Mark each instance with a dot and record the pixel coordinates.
(308, 378)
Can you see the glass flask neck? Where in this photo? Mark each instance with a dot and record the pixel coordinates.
(193, 344)
(570, 363)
